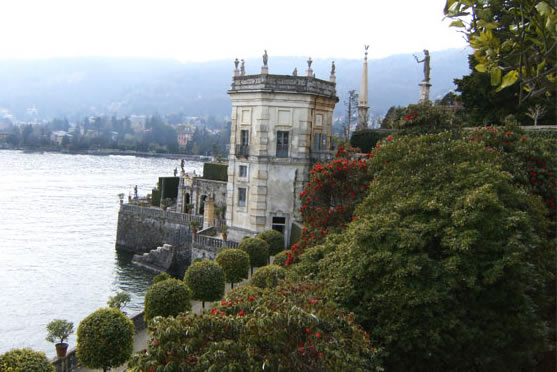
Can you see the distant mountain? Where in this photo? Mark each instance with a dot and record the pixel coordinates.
(76, 87)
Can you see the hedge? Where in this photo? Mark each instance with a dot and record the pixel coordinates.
(367, 139)
(215, 171)
(268, 276)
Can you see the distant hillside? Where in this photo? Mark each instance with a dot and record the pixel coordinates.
(75, 87)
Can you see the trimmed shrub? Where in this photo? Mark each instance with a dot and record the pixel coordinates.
(105, 339)
(215, 171)
(257, 249)
(268, 276)
(294, 327)
(281, 258)
(235, 264)
(453, 256)
(160, 277)
(24, 360)
(367, 139)
(167, 298)
(275, 239)
(206, 281)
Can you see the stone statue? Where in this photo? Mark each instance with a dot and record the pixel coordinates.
(366, 48)
(243, 68)
(426, 62)
(182, 162)
(309, 63)
(295, 72)
(265, 58)
(175, 172)
(236, 63)
(333, 68)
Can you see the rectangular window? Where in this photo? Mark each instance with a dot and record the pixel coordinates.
(282, 144)
(317, 142)
(243, 170)
(279, 224)
(244, 137)
(241, 196)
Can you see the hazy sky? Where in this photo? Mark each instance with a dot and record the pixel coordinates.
(203, 30)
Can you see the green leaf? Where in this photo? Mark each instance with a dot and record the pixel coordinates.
(458, 23)
(480, 67)
(495, 76)
(543, 8)
(509, 79)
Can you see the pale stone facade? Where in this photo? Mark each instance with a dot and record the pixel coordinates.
(281, 125)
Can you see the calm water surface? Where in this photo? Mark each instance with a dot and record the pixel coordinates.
(58, 216)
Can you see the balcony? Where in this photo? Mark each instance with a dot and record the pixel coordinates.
(242, 151)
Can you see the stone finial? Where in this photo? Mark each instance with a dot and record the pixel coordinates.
(366, 48)
(243, 68)
(265, 68)
(236, 71)
(333, 68)
(295, 72)
(309, 71)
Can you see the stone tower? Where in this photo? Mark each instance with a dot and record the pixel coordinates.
(281, 124)
(363, 104)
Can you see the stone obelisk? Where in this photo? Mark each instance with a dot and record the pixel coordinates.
(363, 104)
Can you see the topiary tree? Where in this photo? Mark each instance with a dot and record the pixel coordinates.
(235, 264)
(257, 249)
(275, 239)
(160, 277)
(268, 276)
(453, 256)
(206, 280)
(294, 327)
(281, 258)
(169, 297)
(23, 360)
(105, 339)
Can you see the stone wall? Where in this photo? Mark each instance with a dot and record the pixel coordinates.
(142, 229)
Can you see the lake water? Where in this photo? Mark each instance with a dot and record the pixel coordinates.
(58, 216)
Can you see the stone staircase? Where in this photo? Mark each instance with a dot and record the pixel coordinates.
(158, 260)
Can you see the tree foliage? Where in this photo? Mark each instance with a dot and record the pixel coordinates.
(454, 256)
(167, 298)
(514, 40)
(105, 339)
(268, 276)
(275, 239)
(257, 249)
(23, 360)
(206, 281)
(293, 327)
(235, 264)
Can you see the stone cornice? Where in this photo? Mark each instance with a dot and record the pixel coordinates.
(283, 83)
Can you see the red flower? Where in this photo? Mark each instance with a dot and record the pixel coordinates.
(214, 310)
(307, 331)
(241, 313)
(223, 303)
(312, 300)
(251, 298)
(155, 342)
(320, 355)
(318, 335)
(523, 138)
(508, 133)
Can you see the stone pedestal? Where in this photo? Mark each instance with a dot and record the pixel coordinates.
(333, 78)
(424, 91)
(264, 70)
(236, 72)
(309, 72)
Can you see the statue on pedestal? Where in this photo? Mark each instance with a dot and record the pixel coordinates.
(426, 62)
(265, 58)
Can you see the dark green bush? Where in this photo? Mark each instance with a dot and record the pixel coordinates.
(294, 327)
(280, 259)
(268, 276)
(445, 262)
(257, 249)
(161, 277)
(235, 264)
(275, 239)
(367, 139)
(105, 339)
(206, 281)
(167, 298)
(215, 171)
(25, 360)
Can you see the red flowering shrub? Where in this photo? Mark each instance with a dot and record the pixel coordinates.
(329, 198)
(293, 327)
(424, 118)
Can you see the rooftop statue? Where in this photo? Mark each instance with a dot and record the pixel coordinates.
(426, 62)
(236, 63)
(265, 58)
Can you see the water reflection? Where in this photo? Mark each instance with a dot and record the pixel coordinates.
(131, 279)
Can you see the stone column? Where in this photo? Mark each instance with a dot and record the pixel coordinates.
(209, 213)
